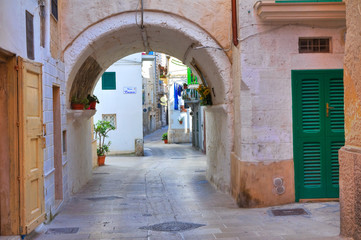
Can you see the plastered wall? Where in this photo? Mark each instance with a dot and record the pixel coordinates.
(263, 61)
(350, 154)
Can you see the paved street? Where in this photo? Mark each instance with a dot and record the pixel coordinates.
(128, 196)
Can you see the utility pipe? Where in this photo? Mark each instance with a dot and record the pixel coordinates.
(141, 24)
(234, 23)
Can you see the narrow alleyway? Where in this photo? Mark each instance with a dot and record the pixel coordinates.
(130, 195)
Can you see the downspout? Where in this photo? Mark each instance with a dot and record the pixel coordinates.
(234, 23)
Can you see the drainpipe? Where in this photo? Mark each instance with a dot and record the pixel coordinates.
(234, 23)
(142, 25)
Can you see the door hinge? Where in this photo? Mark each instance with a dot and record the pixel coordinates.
(16, 67)
(19, 178)
(17, 124)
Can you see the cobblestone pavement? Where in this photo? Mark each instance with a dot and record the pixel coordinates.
(129, 196)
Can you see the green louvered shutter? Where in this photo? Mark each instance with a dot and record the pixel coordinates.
(317, 137)
(108, 81)
(335, 133)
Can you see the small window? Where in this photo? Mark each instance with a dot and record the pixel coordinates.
(30, 35)
(112, 118)
(64, 142)
(108, 81)
(54, 8)
(314, 45)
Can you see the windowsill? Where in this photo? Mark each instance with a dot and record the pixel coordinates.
(76, 115)
(302, 11)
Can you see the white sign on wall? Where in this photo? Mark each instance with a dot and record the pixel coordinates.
(129, 90)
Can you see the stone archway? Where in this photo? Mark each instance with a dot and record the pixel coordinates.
(101, 44)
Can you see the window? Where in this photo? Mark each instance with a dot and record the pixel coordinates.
(108, 81)
(54, 8)
(112, 118)
(314, 45)
(64, 142)
(30, 35)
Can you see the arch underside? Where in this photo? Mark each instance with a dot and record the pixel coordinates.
(115, 37)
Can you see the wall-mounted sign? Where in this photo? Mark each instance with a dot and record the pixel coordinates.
(129, 90)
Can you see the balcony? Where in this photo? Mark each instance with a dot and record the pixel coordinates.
(190, 95)
(319, 13)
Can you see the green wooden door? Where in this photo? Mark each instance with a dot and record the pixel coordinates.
(318, 131)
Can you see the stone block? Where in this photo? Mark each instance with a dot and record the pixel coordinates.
(139, 147)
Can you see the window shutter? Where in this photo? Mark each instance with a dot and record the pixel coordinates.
(108, 81)
(30, 35)
(310, 98)
(54, 8)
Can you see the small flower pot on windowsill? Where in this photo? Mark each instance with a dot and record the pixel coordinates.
(92, 105)
(77, 106)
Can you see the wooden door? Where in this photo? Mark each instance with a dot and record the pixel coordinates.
(31, 153)
(318, 131)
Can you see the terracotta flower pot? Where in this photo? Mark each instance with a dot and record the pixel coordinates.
(180, 122)
(165, 141)
(101, 160)
(77, 106)
(92, 105)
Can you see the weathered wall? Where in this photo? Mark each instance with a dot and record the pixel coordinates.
(350, 155)
(263, 100)
(77, 17)
(219, 144)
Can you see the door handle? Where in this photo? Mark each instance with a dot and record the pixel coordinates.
(328, 109)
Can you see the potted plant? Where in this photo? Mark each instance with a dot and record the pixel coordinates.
(78, 103)
(93, 100)
(101, 130)
(205, 95)
(185, 86)
(165, 137)
(180, 120)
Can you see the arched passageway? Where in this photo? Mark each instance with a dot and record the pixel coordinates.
(101, 44)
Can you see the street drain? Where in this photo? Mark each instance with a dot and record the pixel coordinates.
(98, 173)
(200, 171)
(62, 230)
(147, 215)
(104, 198)
(172, 226)
(178, 158)
(289, 212)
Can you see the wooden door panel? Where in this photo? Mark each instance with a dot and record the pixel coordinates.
(32, 211)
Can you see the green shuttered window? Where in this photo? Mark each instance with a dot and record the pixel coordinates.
(108, 81)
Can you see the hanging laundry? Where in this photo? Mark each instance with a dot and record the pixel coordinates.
(175, 96)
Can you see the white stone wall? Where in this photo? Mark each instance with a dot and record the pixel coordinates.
(127, 107)
(53, 75)
(13, 39)
(267, 54)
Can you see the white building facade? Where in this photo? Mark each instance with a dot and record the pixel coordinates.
(120, 94)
